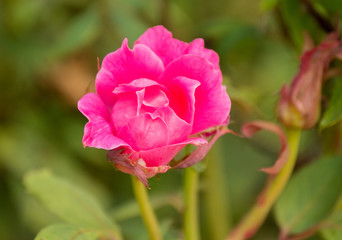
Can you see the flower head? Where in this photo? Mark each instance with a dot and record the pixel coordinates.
(153, 100)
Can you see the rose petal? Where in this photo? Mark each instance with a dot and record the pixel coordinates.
(202, 150)
(212, 102)
(178, 129)
(126, 107)
(160, 41)
(97, 132)
(182, 97)
(163, 155)
(145, 132)
(125, 65)
(154, 97)
(197, 47)
(251, 128)
(136, 85)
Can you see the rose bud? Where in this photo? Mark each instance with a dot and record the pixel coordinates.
(299, 104)
(153, 100)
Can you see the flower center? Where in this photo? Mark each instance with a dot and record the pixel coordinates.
(153, 98)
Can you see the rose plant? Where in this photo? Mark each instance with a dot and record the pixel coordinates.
(153, 100)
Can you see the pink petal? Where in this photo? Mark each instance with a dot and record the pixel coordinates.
(202, 150)
(160, 41)
(182, 97)
(163, 155)
(196, 47)
(145, 132)
(212, 105)
(125, 65)
(104, 85)
(126, 107)
(251, 128)
(178, 129)
(98, 132)
(135, 85)
(154, 97)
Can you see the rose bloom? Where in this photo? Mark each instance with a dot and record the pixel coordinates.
(153, 100)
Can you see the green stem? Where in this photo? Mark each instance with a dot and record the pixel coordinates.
(215, 198)
(146, 210)
(275, 186)
(191, 229)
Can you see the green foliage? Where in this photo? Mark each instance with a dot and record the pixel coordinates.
(332, 228)
(268, 4)
(82, 31)
(310, 196)
(70, 204)
(68, 232)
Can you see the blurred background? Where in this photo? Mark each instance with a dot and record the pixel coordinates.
(48, 60)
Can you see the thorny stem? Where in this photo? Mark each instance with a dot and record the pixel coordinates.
(146, 210)
(256, 216)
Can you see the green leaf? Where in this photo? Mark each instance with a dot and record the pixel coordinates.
(332, 229)
(71, 232)
(67, 201)
(333, 114)
(310, 195)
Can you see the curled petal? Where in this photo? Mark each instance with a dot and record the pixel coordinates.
(155, 98)
(98, 132)
(251, 128)
(125, 65)
(179, 130)
(182, 97)
(125, 108)
(136, 85)
(212, 102)
(145, 132)
(202, 150)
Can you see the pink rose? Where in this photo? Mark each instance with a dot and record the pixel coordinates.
(153, 100)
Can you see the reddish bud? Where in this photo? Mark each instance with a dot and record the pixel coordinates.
(299, 105)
